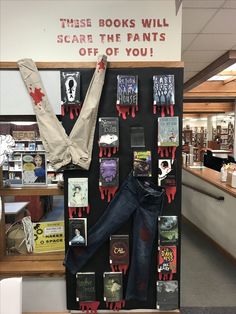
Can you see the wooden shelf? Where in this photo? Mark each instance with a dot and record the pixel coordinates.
(34, 190)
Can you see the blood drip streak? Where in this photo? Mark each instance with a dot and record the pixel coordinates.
(125, 110)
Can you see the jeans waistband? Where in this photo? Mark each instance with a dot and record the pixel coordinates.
(145, 188)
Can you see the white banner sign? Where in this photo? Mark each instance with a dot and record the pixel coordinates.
(80, 30)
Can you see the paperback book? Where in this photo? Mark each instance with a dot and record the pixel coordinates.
(163, 90)
(109, 172)
(137, 137)
(78, 232)
(167, 295)
(166, 172)
(127, 90)
(77, 192)
(113, 286)
(168, 230)
(167, 261)
(168, 131)
(85, 286)
(109, 132)
(142, 163)
(70, 87)
(119, 249)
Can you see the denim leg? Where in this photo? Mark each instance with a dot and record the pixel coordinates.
(144, 231)
(117, 213)
(146, 204)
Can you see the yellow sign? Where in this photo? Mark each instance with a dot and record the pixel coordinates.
(49, 236)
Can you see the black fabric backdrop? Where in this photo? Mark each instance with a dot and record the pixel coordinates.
(99, 263)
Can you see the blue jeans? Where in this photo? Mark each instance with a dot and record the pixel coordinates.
(145, 203)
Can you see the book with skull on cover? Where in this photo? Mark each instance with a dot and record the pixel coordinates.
(109, 172)
(85, 286)
(166, 172)
(127, 90)
(108, 132)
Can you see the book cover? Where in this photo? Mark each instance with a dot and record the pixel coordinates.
(109, 172)
(167, 259)
(109, 132)
(168, 230)
(34, 169)
(77, 192)
(166, 172)
(119, 249)
(70, 87)
(137, 137)
(113, 286)
(168, 131)
(127, 90)
(142, 163)
(163, 90)
(167, 295)
(78, 231)
(85, 286)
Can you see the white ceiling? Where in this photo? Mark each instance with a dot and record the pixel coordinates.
(209, 30)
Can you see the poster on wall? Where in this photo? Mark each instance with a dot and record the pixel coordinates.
(49, 236)
(81, 30)
(34, 169)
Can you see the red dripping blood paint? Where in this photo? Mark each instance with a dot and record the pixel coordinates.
(37, 95)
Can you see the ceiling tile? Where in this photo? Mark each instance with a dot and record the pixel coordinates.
(195, 19)
(201, 56)
(203, 3)
(213, 42)
(230, 4)
(186, 40)
(222, 22)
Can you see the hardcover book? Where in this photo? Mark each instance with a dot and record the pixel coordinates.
(142, 163)
(166, 172)
(127, 90)
(109, 172)
(119, 249)
(78, 231)
(167, 259)
(167, 295)
(109, 132)
(168, 131)
(85, 286)
(168, 230)
(70, 87)
(77, 192)
(113, 286)
(163, 90)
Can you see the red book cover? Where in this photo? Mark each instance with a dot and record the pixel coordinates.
(167, 259)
